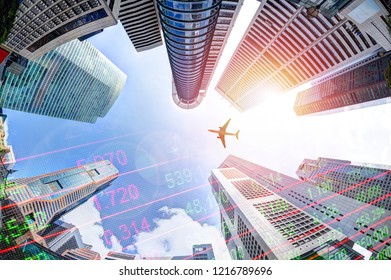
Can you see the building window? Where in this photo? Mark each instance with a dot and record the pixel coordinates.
(81, 21)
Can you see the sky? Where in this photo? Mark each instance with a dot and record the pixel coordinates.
(165, 154)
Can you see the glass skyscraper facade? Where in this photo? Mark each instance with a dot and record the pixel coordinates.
(195, 33)
(356, 87)
(74, 81)
(188, 29)
(362, 222)
(45, 198)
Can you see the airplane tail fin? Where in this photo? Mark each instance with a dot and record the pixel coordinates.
(237, 134)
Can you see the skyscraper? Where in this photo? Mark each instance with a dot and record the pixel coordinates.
(258, 224)
(81, 254)
(7, 156)
(119, 256)
(15, 234)
(283, 49)
(41, 26)
(141, 23)
(14, 64)
(327, 8)
(363, 223)
(360, 85)
(361, 181)
(45, 198)
(203, 252)
(61, 236)
(35, 251)
(74, 81)
(370, 16)
(195, 34)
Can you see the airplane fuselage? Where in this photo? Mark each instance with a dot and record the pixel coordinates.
(221, 132)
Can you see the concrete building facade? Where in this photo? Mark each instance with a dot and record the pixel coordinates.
(141, 23)
(283, 48)
(362, 222)
(358, 86)
(258, 224)
(363, 182)
(81, 254)
(119, 256)
(42, 26)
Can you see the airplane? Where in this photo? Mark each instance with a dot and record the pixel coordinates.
(222, 132)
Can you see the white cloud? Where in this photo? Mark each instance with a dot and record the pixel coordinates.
(175, 234)
(85, 218)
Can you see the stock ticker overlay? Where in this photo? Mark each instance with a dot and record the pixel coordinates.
(111, 158)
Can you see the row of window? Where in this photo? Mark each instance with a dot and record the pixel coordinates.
(253, 248)
(369, 93)
(301, 32)
(250, 189)
(83, 20)
(295, 225)
(36, 22)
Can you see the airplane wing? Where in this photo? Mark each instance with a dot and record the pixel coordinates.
(224, 127)
(222, 137)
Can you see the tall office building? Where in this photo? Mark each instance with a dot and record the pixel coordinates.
(81, 254)
(327, 8)
(387, 5)
(14, 64)
(14, 230)
(119, 256)
(203, 252)
(195, 34)
(61, 236)
(7, 156)
(74, 81)
(361, 181)
(4, 55)
(45, 198)
(141, 23)
(43, 25)
(363, 223)
(258, 224)
(360, 85)
(370, 16)
(31, 250)
(283, 49)
(34, 251)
